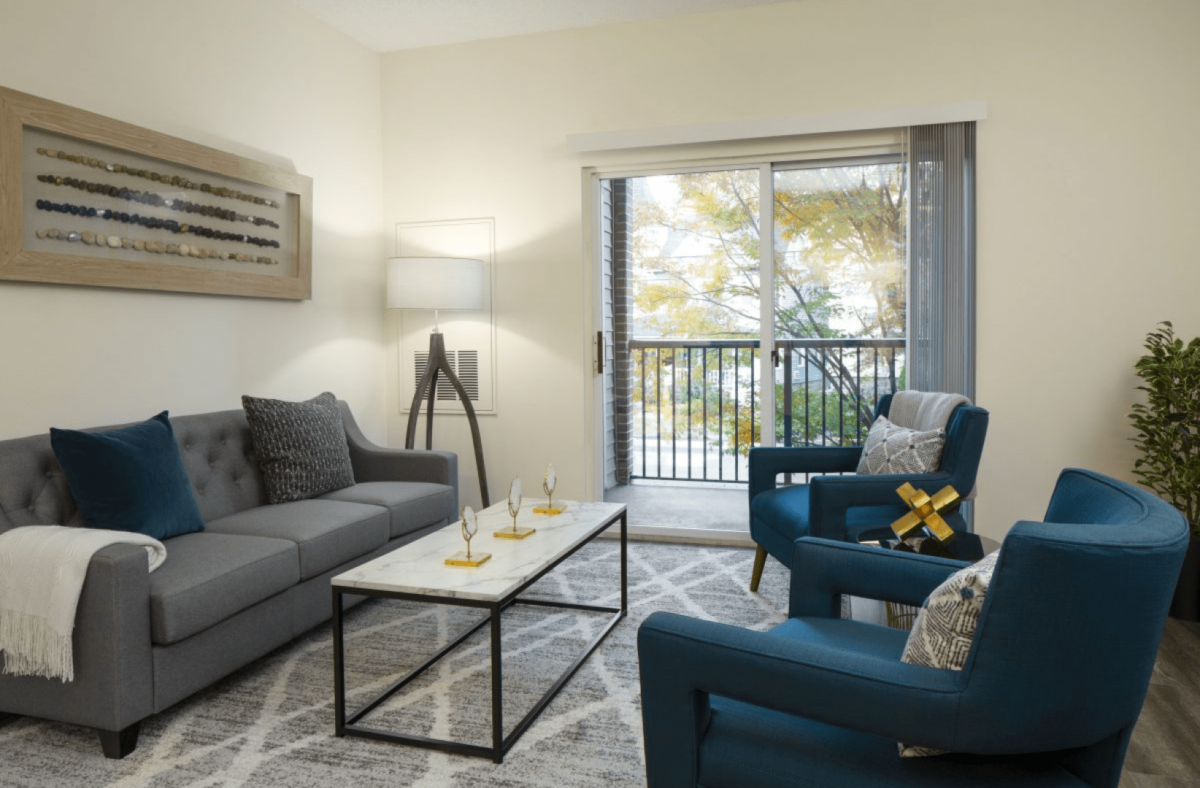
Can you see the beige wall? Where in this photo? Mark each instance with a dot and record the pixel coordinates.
(1085, 216)
(1086, 234)
(257, 79)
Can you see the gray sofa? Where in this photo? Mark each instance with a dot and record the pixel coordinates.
(254, 579)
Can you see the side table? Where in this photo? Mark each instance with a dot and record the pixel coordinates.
(964, 547)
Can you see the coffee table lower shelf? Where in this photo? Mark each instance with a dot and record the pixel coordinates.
(346, 724)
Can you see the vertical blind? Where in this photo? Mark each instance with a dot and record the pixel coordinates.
(941, 248)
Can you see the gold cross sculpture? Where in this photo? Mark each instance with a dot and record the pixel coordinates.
(926, 511)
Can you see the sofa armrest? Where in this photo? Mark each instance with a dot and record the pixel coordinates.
(114, 672)
(767, 462)
(824, 570)
(375, 463)
(682, 661)
(831, 496)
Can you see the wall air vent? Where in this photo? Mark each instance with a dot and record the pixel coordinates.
(465, 364)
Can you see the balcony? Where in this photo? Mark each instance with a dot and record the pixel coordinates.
(694, 415)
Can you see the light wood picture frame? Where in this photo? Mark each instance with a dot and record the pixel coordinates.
(88, 200)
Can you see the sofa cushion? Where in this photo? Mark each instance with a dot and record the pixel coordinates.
(301, 446)
(784, 513)
(129, 479)
(208, 577)
(326, 533)
(411, 505)
(942, 635)
(894, 449)
(944, 631)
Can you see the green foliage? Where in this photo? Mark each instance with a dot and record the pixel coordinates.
(828, 420)
(1168, 423)
(712, 290)
(824, 413)
(838, 228)
(844, 230)
(695, 258)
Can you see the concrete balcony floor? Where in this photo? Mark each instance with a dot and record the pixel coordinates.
(687, 512)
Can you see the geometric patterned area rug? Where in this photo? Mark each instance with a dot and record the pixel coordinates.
(271, 723)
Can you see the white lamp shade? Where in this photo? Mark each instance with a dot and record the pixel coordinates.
(435, 283)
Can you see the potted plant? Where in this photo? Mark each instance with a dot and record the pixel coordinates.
(1168, 441)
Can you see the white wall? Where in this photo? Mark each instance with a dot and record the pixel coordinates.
(258, 79)
(1086, 230)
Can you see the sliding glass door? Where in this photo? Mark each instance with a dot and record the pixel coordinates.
(688, 325)
(706, 269)
(839, 296)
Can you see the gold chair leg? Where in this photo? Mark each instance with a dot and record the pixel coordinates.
(760, 560)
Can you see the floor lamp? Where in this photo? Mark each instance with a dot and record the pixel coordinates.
(438, 283)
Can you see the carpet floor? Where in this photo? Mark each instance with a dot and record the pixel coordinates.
(271, 723)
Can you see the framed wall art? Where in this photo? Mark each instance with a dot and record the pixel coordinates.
(88, 200)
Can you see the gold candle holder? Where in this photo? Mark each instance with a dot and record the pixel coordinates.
(469, 526)
(549, 481)
(514, 508)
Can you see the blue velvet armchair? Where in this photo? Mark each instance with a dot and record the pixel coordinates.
(841, 507)
(1051, 689)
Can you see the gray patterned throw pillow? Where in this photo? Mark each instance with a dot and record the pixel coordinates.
(300, 446)
(893, 449)
(941, 636)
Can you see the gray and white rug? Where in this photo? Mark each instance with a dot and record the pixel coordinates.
(271, 724)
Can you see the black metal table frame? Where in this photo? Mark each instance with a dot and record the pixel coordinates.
(345, 724)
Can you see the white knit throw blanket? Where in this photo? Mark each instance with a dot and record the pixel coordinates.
(923, 411)
(42, 568)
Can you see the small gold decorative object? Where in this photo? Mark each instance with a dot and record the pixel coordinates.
(514, 508)
(549, 481)
(927, 512)
(470, 527)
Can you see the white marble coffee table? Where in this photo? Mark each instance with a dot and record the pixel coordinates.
(417, 571)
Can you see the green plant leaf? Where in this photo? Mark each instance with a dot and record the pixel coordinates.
(1167, 423)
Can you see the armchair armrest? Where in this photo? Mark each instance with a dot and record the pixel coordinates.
(824, 569)
(769, 461)
(831, 496)
(375, 463)
(114, 684)
(684, 660)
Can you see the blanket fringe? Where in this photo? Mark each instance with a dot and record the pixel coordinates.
(31, 647)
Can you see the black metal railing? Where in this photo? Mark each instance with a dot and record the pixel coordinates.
(694, 408)
(829, 388)
(695, 403)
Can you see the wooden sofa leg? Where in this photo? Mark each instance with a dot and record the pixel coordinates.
(760, 560)
(118, 744)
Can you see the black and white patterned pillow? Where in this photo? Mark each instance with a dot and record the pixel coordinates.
(941, 636)
(894, 449)
(300, 446)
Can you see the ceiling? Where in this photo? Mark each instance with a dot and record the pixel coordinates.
(391, 25)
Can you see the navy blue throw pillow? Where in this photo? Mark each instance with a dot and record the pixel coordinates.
(129, 479)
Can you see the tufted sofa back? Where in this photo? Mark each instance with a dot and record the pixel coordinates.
(33, 489)
(217, 455)
(219, 459)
